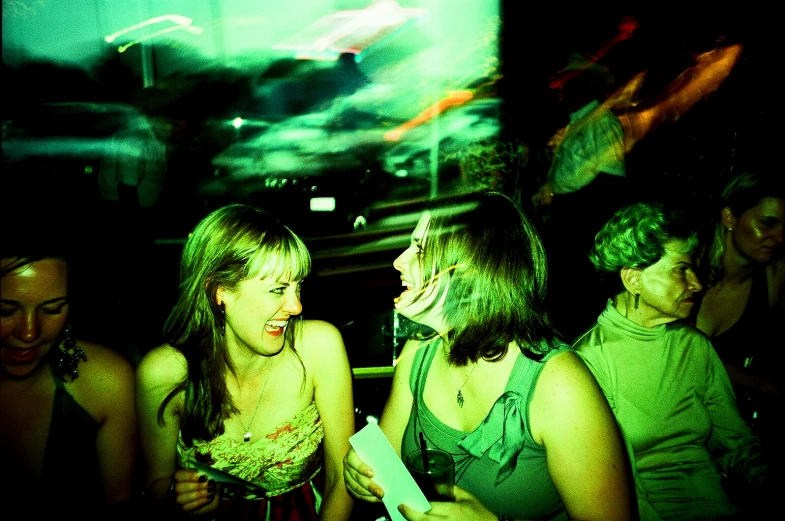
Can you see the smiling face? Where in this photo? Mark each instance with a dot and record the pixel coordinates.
(33, 312)
(258, 313)
(667, 287)
(422, 299)
(758, 232)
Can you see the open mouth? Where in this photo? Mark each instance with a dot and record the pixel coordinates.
(275, 327)
(408, 287)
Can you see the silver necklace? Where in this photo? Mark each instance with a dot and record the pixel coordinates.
(459, 396)
(248, 433)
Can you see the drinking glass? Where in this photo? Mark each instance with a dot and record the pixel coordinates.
(434, 473)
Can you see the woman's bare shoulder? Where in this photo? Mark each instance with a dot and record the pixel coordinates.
(318, 328)
(103, 360)
(319, 335)
(164, 364)
(104, 384)
(320, 345)
(103, 356)
(564, 375)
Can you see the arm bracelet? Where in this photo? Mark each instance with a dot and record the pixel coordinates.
(171, 494)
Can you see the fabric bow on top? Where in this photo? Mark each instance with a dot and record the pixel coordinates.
(503, 438)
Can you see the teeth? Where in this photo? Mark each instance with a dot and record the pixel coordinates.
(277, 323)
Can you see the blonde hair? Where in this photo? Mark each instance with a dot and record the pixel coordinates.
(230, 245)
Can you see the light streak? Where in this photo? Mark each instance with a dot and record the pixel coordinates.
(350, 30)
(454, 98)
(181, 23)
(691, 86)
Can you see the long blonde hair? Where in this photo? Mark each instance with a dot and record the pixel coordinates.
(232, 244)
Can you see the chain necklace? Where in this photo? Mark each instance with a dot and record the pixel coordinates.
(248, 433)
(459, 396)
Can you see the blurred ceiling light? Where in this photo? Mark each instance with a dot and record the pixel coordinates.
(323, 204)
(181, 23)
(351, 31)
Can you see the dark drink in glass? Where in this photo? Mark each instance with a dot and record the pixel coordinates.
(434, 473)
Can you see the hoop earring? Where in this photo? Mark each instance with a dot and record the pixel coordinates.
(70, 355)
(637, 298)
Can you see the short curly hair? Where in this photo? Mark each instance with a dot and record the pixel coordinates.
(636, 235)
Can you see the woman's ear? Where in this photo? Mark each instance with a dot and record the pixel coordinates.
(220, 293)
(631, 279)
(728, 220)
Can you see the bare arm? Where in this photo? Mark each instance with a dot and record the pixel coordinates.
(333, 396)
(110, 379)
(395, 416)
(159, 372)
(585, 453)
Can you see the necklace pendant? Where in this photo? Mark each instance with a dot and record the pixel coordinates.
(247, 436)
(459, 399)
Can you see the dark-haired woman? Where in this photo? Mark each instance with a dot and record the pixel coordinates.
(531, 435)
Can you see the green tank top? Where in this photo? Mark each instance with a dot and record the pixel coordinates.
(499, 463)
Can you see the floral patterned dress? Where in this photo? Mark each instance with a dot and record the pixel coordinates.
(286, 464)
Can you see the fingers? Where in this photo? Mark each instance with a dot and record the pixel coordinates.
(461, 494)
(362, 487)
(410, 514)
(357, 477)
(192, 490)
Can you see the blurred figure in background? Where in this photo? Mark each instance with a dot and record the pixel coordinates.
(586, 184)
(130, 183)
(133, 169)
(743, 309)
(68, 438)
(665, 383)
(244, 384)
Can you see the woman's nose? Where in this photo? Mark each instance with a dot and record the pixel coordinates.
(400, 261)
(28, 331)
(293, 306)
(695, 284)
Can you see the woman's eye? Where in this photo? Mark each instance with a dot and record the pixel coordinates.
(6, 312)
(54, 311)
(278, 291)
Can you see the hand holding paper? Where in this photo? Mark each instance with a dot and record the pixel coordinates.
(390, 473)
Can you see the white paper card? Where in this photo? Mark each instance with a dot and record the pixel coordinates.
(390, 473)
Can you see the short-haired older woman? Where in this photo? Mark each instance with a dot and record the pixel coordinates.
(664, 381)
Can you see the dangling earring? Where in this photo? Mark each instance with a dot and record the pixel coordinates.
(637, 298)
(70, 355)
(729, 229)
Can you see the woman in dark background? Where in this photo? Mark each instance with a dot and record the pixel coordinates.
(742, 310)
